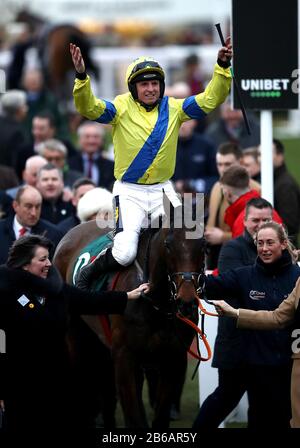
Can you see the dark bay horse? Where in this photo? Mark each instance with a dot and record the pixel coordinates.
(149, 339)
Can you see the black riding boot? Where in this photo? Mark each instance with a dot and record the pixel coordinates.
(103, 263)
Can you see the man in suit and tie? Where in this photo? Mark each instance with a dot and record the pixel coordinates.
(89, 160)
(27, 208)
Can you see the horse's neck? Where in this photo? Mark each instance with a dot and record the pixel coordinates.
(150, 260)
(158, 274)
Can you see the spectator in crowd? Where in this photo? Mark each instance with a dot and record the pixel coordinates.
(251, 161)
(8, 177)
(90, 160)
(193, 74)
(96, 204)
(235, 184)
(55, 152)
(5, 205)
(266, 359)
(80, 188)
(194, 78)
(195, 161)
(15, 68)
(179, 89)
(40, 99)
(32, 166)
(36, 306)
(51, 186)
(286, 192)
(217, 231)
(231, 127)
(43, 128)
(25, 220)
(14, 110)
(229, 344)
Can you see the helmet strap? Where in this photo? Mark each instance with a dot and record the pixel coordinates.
(149, 107)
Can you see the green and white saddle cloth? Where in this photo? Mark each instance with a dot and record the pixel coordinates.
(88, 254)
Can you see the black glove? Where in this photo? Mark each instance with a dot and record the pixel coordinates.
(85, 276)
(223, 64)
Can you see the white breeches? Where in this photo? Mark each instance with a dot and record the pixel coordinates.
(135, 205)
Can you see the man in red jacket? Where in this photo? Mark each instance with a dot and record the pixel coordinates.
(235, 186)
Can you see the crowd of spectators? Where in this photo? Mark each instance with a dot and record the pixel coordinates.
(52, 177)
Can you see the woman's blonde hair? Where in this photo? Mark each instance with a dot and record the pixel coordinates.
(282, 235)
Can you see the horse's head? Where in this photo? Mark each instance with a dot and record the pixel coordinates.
(185, 262)
(182, 254)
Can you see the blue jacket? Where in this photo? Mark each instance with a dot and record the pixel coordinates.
(259, 287)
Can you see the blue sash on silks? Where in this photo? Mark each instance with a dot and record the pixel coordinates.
(88, 254)
(152, 145)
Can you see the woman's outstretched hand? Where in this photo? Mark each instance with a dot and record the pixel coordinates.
(136, 293)
(77, 58)
(223, 309)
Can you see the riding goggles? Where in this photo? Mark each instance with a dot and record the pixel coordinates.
(146, 66)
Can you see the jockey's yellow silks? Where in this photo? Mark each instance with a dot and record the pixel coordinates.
(144, 142)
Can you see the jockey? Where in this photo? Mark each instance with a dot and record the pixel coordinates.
(145, 126)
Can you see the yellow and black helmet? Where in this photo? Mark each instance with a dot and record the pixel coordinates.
(144, 69)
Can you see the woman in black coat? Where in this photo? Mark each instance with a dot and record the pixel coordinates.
(35, 305)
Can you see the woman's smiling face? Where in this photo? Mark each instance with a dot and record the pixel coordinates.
(40, 263)
(269, 247)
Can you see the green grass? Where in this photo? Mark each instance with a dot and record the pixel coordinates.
(292, 156)
(189, 402)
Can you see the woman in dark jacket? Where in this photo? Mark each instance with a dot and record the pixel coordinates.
(263, 286)
(288, 313)
(35, 305)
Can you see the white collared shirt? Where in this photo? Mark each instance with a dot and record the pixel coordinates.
(17, 226)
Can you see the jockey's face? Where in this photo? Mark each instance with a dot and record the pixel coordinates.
(269, 247)
(148, 91)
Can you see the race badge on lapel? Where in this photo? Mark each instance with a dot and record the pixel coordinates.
(23, 300)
